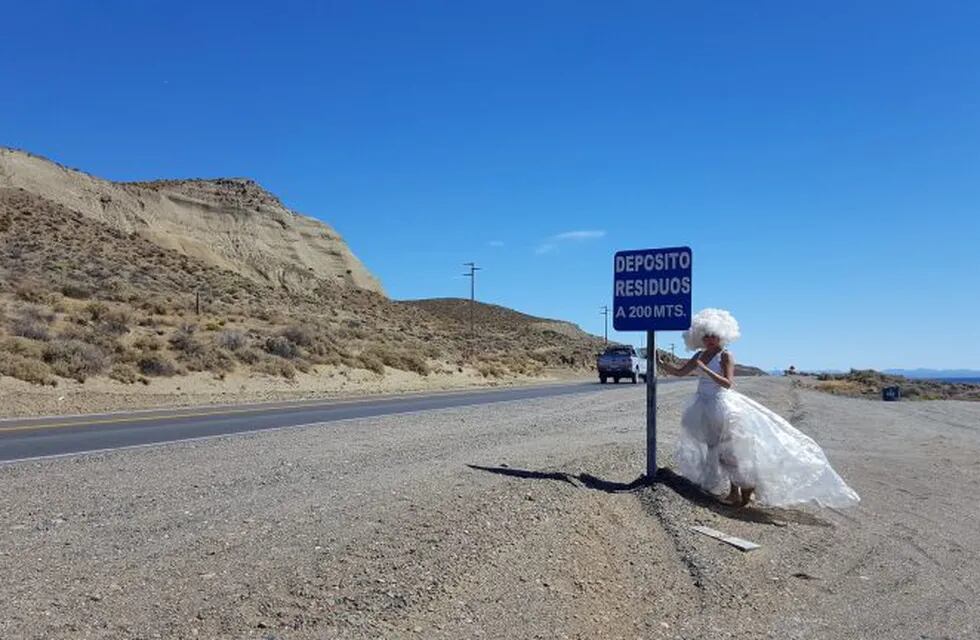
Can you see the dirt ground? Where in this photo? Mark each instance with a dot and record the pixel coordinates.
(511, 520)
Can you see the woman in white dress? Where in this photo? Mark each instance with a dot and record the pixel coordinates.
(731, 443)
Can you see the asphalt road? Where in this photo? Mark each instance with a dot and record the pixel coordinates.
(25, 439)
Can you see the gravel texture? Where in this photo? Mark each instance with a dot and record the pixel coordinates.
(511, 520)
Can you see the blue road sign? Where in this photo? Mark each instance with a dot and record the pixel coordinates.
(652, 289)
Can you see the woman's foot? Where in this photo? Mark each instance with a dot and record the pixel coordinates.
(733, 497)
(746, 496)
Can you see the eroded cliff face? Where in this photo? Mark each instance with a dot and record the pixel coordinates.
(232, 223)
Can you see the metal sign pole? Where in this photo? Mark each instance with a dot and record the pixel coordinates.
(651, 406)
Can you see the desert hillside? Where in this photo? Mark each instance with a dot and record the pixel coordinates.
(233, 224)
(80, 298)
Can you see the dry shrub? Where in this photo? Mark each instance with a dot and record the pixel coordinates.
(542, 356)
(96, 310)
(74, 359)
(198, 355)
(394, 358)
(24, 347)
(232, 340)
(275, 366)
(270, 315)
(126, 373)
(115, 322)
(104, 341)
(156, 305)
(26, 369)
(33, 324)
(77, 291)
(491, 370)
(282, 347)
(299, 335)
(332, 358)
(184, 340)
(840, 387)
(156, 364)
(147, 344)
(372, 362)
(208, 358)
(31, 292)
(249, 355)
(303, 365)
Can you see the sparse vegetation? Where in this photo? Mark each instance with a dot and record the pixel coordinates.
(276, 367)
(74, 359)
(130, 314)
(868, 383)
(26, 369)
(157, 365)
(32, 323)
(126, 373)
(232, 340)
(282, 347)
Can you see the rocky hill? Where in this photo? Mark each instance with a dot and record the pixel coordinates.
(233, 224)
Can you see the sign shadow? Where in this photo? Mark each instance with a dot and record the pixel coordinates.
(670, 480)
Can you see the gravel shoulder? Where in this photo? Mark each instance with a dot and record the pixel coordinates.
(511, 520)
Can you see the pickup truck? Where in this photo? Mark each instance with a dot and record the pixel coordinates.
(621, 361)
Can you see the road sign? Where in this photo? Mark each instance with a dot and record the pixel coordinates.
(652, 292)
(652, 289)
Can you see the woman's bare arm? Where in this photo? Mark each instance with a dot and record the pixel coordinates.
(683, 370)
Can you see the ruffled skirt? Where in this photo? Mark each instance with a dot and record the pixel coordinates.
(727, 438)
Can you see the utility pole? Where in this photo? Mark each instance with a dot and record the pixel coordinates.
(672, 349)
(605, 330)
(472, 276)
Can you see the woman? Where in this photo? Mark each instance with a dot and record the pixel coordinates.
(731, 443)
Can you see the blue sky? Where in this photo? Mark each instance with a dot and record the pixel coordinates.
(821, 159)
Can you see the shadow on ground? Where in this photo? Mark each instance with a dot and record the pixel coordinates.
(666, 478)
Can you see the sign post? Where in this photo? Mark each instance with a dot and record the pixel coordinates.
(651, 405)
(652, 292)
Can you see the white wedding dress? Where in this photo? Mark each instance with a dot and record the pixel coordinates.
(728, 438)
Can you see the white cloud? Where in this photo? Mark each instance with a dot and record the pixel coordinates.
(552, 243)
(579, 235)
(496, 243)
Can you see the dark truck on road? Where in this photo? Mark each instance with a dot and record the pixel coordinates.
(620, 361)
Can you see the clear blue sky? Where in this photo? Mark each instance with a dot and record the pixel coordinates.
(822, 159)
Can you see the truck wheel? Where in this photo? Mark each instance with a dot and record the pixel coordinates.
(602, 379)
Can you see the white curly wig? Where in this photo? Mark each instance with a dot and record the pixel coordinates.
(711, 322)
